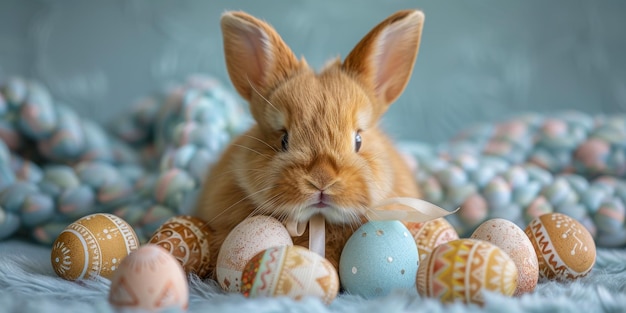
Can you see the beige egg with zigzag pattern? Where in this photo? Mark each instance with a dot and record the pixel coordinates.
(463, 269)
(291, 271)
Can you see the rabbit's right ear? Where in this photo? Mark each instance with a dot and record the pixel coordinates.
(256, 57)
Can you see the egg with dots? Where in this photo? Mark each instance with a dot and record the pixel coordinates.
(513, 240)
(92, 246)
(464, 269)
(291, 271)
(251, 236)
(149, 279)
(429, 235)
(379, 257)
(187, 239)
(565, 249)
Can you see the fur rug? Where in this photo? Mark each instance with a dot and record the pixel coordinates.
(28, 284)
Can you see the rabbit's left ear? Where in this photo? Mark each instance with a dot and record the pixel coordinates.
(384, 58)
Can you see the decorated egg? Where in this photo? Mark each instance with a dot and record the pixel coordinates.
(565, 249)
(464, 269)
(91, 246)
(379, 257)
(187, 239)
(248, 238)
(431, 234)
(149, 279)
(511, 239)
(291, 271)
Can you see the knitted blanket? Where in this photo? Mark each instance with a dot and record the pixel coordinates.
(147, 165)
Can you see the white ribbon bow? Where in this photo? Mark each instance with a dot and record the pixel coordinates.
(412, 210)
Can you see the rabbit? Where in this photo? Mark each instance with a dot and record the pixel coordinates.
(316, 147)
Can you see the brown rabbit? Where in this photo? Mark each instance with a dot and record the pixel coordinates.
(316, 147)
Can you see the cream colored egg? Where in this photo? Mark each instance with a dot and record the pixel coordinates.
(251, 236)
(149, 279)
(512, 240)
(91, 246)
(565, 248)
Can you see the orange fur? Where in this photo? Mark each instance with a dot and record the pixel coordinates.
(321, 113)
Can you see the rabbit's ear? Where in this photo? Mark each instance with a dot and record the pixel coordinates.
(384, 58)
(256, 56)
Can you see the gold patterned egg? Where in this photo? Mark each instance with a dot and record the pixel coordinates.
(565, 248)
(463, 269)
(431, 234)
(91, 246)
(187, 239)
(291, 271)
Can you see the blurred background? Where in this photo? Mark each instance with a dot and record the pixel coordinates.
(479, 60)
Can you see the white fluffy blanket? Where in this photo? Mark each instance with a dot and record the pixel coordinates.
(28, 284)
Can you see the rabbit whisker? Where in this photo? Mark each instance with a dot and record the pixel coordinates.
(239, 201)
(260, 95)
(257, 152)
(261, 141)
(266, 204)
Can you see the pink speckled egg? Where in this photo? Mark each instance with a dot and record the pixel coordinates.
(251, 236)
(149, 279)
(511, 239)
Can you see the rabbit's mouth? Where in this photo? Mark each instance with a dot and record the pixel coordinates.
(330, 213)
(328, 209)
(323, 201)
(320, 205)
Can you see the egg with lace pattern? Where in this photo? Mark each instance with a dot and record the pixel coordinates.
(187, 239)
(92, 246)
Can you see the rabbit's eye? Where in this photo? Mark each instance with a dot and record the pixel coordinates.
(285, 141)
(357, 141)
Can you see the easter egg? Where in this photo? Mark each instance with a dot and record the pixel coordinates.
(464, 269)
(149, 279)
(431, 234)
(565, 249)
(187, 239)
(291, 271)
(513, 240)
(91, 246)
(251, 236)
(379, 257)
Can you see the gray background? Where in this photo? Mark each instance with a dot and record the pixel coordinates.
(479, 60)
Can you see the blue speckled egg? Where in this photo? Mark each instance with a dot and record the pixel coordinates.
(379, 257)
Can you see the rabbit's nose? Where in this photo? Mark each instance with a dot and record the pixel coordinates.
(322, 179)
(321, 183)
(322, 173)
